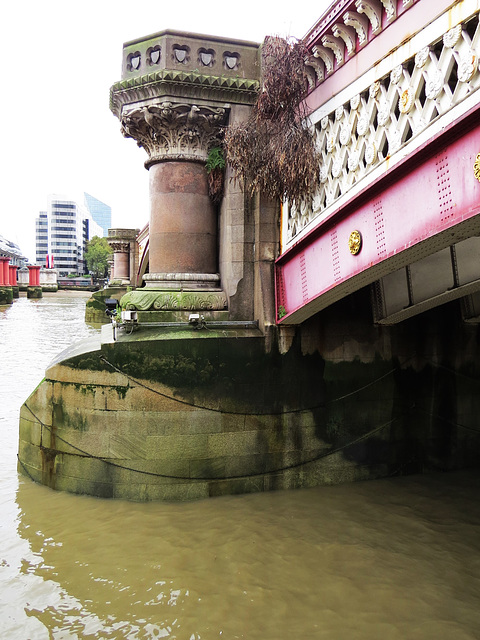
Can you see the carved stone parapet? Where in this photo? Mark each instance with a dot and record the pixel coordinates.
(148, 300)
(175, 131)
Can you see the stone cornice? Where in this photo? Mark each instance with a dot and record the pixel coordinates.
(182, 84)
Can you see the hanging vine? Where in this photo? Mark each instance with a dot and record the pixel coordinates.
(274, 150)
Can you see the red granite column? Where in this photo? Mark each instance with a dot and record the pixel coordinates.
(3, 259)
(34, 275)
(13, 275)
(5, 271)
(121, 262)
(183, 221)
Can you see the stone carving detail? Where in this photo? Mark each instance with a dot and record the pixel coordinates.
(390, 9)
(396, 74)
(181, 53)
(406, 100)
(345, 134)
(355, 102)
(370, 153)
(374, 89)
(175, 131)
(154, 55)
(373, 10)
(359, 23)
(362, 125)
(452, 36)
(120, 247)
(467, 67)
(337, 46)
(383, 114)
(141, 300)
(347, 34)
(422, 57)
(206, 57)
(231, 60)
(326, 56)
(434, 84)
(133, 61)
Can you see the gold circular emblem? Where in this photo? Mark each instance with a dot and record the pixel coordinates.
(476, 167)
(355, 242)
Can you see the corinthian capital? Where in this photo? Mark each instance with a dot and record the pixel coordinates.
(174, 131)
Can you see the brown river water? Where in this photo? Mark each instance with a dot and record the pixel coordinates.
(394, 559)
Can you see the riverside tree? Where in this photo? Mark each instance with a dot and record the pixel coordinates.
(97, 255)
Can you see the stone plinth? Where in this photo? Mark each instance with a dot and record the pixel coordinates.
(34, 292)
(49, 279)
(6, 295)
(22, 278)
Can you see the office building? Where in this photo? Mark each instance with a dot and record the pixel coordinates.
(101, 213)
(62, 233)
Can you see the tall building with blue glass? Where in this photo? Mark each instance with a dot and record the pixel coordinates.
(100, 212)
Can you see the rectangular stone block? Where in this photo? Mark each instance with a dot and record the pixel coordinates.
(178, 447)
(191, 422)
(155, 398)
(237, 486)
(178, 492)
(78, 442)
(126, 446)
(238, 443)
(208, 468)
(85, 487)
(152, 472)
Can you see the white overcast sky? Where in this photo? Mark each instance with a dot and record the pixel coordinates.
(60, 59)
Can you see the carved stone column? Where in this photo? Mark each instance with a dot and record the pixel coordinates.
(122, 242)
(183, 220)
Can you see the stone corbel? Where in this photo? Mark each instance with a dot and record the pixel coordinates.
(373, 10)
(315, 70)
(359, 23)
(390, 7)
(326, 56)
(336, 45)
(347, 34)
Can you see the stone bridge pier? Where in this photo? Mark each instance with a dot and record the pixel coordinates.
(179, 91)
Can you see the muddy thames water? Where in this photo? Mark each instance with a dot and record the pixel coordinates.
(395, 559)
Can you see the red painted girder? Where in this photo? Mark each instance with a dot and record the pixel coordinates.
(400, 221)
